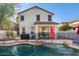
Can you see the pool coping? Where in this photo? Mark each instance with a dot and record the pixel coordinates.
(18, 42)
(74, 46)
(31, 42)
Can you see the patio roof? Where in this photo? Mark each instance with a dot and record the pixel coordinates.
(46, 23)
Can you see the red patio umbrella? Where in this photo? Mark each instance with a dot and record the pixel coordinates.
(78, 30)
(51, 33)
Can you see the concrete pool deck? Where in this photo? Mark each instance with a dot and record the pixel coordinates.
(74, 46)
(33, 42)
(17, 42)
(66, 42)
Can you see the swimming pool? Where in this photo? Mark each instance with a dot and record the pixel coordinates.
(30, 50)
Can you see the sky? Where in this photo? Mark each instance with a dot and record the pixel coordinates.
(63, 12)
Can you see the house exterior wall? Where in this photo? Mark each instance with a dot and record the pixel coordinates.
(30, 18)
(74, 24)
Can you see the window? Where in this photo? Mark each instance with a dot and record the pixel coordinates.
(38, 17)
(49, 18)
(22, 18)
(23, 29)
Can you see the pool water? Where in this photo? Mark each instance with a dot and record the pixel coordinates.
(30, 50)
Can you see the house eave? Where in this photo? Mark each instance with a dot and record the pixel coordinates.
(36, 23)
(38, 8)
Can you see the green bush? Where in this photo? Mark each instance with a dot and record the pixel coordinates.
(64, 27)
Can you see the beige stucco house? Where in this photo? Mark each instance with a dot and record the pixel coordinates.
(36, 19)
(73, 24)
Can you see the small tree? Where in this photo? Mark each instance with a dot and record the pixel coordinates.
(7, 24)
(7, 10)
(16, 25)
(64, 27)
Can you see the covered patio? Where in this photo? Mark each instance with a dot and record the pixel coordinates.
(43, 29)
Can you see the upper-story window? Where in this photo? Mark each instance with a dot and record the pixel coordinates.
(49, 18)
(38, 17)
(22, 18)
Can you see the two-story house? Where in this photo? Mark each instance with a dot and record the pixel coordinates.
(35, 19)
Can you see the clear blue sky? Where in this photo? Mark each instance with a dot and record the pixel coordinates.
(63, 12)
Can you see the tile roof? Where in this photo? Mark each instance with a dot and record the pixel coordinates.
(70, 22)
